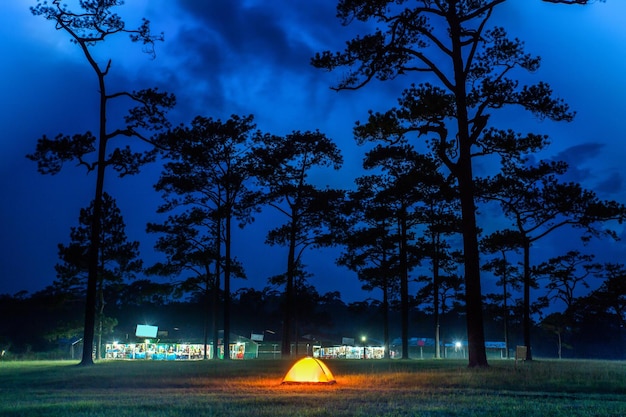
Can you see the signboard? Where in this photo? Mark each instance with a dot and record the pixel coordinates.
(495, 345)
(256, 337)
(521, 353)
(146, 331)
(347, 341)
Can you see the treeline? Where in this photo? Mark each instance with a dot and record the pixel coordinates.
(46, 323)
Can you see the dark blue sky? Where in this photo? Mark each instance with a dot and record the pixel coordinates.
(252, 57)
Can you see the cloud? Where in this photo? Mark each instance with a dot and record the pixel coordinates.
(587, 166)
(238, 36)
(613, 184)
(579, 154)
(577, 158)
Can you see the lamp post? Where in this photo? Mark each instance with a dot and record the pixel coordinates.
(363, 340)
(458, 347)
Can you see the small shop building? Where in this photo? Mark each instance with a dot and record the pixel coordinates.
(149, 349)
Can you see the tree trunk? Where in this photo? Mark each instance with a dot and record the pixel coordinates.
(505, 306)
(506, 323)
(96, 226)
(289, 292)
(385, 308)
(100, 317)
(436, 279)
(216, 311)
(99, 343)
(207, 308)
(526, 318)
(473, 296)
(216, 288)
(92, 275)
(463, 171)
(227, 271)
(404, 286)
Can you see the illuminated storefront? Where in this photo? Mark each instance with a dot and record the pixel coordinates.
(349, 352)
(240, 348)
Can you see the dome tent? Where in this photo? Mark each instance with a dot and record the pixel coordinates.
(309, 371)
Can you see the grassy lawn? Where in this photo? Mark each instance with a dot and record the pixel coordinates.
(364, 388)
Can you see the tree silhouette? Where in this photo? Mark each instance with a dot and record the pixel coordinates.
(282, 165)
(369, 244)
(189, 243)
(557, 324)
(442, 293)
(118, 259)
(538, 204)
(409, 182)
(610, 297)
(439, 214)
(87, 28)
(447, 42)
(502, 242)
(565, 274)
(209, 172)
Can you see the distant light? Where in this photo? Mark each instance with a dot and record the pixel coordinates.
(363, 339)
(458, 345)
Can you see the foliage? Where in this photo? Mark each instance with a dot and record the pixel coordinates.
(118, 261)
(281, 167)
(566, 273)
(119, 257)
(558, 324)
(538, 204)
(205, 186)
(610, 297)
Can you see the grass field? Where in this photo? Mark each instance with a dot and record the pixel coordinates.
(364, 388)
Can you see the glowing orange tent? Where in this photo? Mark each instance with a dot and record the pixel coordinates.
(309, 370)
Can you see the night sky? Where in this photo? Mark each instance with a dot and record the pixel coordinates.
(245, 57)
